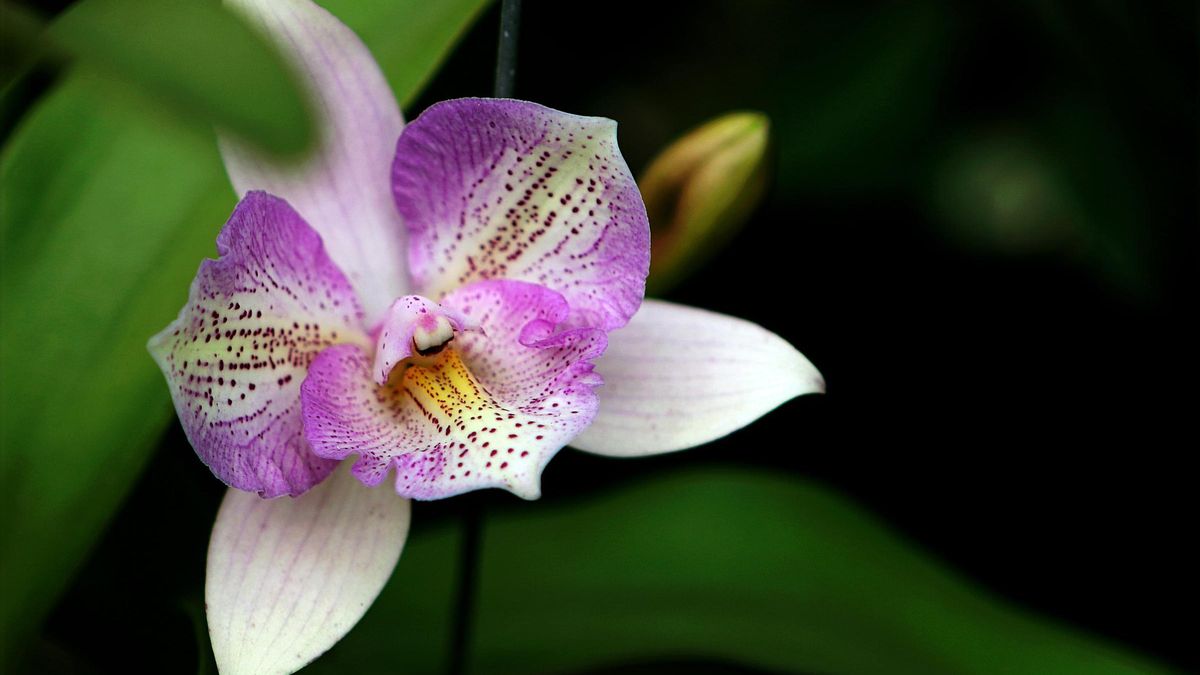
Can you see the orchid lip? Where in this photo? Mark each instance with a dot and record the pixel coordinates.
(487, 411)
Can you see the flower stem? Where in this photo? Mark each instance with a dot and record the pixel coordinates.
(506, 50)
(468, 579)
(468, 566)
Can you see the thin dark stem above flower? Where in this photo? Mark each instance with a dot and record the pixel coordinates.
(506, 49)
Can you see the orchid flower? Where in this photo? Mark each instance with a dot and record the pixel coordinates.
(451, 303)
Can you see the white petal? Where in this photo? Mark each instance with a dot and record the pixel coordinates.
(344, 191)
(287, 578)
(677, 377)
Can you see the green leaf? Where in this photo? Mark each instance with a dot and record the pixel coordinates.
(748, 567)
(198, 58)
(710, 564)
(108, 208)
(104, 220)
(409, 38)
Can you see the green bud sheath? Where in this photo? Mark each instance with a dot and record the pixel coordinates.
(700, 190)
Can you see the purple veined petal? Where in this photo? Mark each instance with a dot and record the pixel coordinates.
(677, 377)
(497, 188)
(414, 322)
(488, 411)
(287, 578)
(343, 191)
(236, 355)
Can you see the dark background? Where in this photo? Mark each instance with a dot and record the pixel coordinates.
(1020, 410)
(1010, 378)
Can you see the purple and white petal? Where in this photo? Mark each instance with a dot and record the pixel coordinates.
(343, 190)
(497, 188)
(677, 377)
(414, 324)
(235, 357)
(489, 410)
(287, 578)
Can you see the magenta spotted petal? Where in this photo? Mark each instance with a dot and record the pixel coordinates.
(488, 410)
(496, 188)
(235, 357)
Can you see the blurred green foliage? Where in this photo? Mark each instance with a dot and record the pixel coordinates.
(1001, 191)
(880, 102)
(20, 31)
(1056, 187)
(722, 564)
(866, 83)
(199, 59)
(409, 38)
(106, 216)
(109, 206)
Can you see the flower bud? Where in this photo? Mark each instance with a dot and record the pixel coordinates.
(700, 190)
